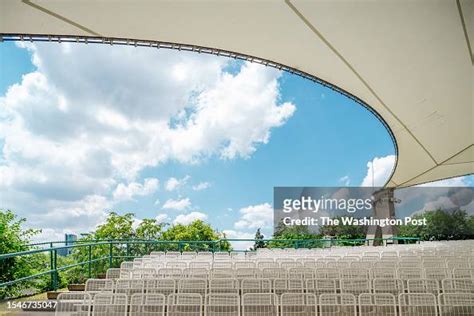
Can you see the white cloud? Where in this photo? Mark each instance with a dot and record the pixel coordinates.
(186, 219)
(239, 245)
(173, 183)
(63, 148)
(127, 192)
(255, 216)
(345, 180)
(157, 202)
(77, 217)
(444, 203)
(49, 234)
(453, 182)
(161, 218)
(201, 186)
(378, 171)
(177, 205)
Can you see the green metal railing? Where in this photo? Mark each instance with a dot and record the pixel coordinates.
(123, 249)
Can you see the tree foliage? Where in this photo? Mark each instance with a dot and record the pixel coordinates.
(13, 238)
(344, 231)
(441, 225)
(301, 234)
(118, 227)
(195, 231)
(259, 243)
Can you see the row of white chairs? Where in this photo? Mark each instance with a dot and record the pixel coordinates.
(336, 252)
(294, 272)
(279, 286)
(427, 262)
(451, 248)
(264, 304)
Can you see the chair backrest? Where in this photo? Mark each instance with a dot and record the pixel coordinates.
(337, 304)
(259, 304)
(176, 265)
(355, 286)
(126, 265)
(423, 286)
(437, 273)
(143, 273)
(149, 304)
(417, 304)
(463, 273)
(383, 273)
(163, 286)
(219, 304)
(254, 285)
(113, 273)
(78, 303)
(460, 304)
(273, 273)
(243, 273)
(185, 304)
(287, 285)
(320, 286)
(300, 273)
(223, 285)
(198, 286)
(326, 273)
(173, 273)
(201, 273)
(458, 285)
(222, 273)
(381, 304)
(110, 304)
(99, 285)
(298, 304)
(130, 286)
(393, 286)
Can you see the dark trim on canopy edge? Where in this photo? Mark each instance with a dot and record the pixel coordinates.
(204, 50)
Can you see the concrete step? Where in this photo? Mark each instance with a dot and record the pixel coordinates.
(76, 287)
(52, 295)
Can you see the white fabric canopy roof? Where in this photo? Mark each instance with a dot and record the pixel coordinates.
(410, 62)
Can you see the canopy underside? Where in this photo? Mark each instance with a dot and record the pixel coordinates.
(410, 62)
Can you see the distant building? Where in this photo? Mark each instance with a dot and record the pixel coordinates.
(69, 239)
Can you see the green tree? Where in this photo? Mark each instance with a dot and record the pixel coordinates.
(118, 227)
(344, 232)
(195, 231)
(299, 237)
(441, 225)
(259, 243)
(13, 238)
(149, 229)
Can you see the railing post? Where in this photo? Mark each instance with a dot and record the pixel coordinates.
(110, 254)
(180, 246)
(55, 268)
(51, 264)
(90, 263)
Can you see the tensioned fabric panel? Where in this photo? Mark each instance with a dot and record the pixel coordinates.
(410, 61)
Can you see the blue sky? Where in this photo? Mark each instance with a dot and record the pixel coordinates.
(88, 129)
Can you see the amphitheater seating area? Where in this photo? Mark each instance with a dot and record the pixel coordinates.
(432, 278)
